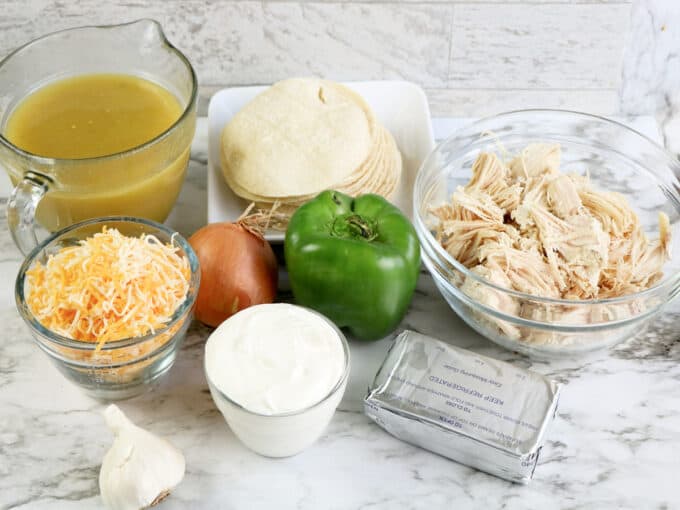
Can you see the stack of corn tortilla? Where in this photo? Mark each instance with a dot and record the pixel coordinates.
(305, 135)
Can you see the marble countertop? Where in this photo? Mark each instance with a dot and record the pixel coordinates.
(615, 443)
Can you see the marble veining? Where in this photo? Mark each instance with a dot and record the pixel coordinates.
(651, 71)
(615, 443)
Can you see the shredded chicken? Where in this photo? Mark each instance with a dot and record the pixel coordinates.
(536, 159)
(563, 198)
(525, 226)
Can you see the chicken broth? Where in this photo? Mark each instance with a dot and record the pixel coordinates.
(95, 115)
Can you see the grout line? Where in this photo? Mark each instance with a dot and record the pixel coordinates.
(527, 3)
(526, 89)
(448, 66)
(444, 89)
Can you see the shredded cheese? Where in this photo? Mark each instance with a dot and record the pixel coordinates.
(109, 287)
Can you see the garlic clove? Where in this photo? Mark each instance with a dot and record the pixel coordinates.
(140, 469)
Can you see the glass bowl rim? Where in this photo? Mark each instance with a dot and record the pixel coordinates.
(336, 387)
(427, 238)
(127, 152)
(63, 341)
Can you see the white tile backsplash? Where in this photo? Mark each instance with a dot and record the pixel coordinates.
(244, 42)
(549, 46)
(473, 57)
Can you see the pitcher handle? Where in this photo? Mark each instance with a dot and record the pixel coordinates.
(21, 210)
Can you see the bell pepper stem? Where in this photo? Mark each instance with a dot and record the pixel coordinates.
(361, 227)
(354, 226)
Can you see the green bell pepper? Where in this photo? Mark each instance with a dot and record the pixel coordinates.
(355, 260)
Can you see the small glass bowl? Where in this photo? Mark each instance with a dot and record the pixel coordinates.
(124, 368)
(283, 434)
(617, 158)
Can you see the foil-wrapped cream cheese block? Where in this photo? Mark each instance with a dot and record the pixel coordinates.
(475, 410)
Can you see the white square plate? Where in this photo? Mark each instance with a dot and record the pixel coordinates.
(400, 106)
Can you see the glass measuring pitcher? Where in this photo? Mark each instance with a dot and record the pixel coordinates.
(144, 181)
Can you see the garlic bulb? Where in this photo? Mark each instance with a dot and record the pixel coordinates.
(140, 469)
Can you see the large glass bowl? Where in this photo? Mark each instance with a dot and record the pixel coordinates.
(124, 368)
(617, 159)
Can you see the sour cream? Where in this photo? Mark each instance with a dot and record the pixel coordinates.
(277, 372)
